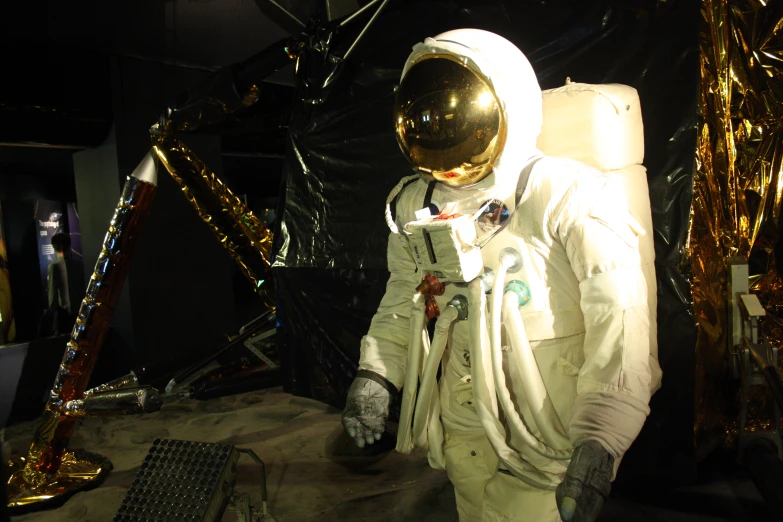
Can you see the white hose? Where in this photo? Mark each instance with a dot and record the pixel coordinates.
(409, 390)
(521, 356)
(424, 406)
(393, 194)
(512, 417)
(435, 437)
(481, 374)
(535, 470)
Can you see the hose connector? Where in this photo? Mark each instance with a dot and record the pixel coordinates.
(431, 286)
(521, 289)
(512, 258)
(487, 280)
(460, 303)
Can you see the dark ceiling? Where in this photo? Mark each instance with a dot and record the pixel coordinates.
(57, 56)
(59, 60)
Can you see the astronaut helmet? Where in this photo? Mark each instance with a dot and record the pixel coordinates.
(451, 117)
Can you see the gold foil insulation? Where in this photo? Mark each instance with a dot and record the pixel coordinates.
(737, 184)
(78, 470)
(43, 464)
(247, 239)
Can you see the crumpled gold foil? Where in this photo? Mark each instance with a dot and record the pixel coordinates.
(769, 290)
(247, 239)
(49, 469)
(737, 184)
(78, 470)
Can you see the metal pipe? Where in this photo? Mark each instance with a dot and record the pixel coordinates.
(288, 13)
(126, 381)
(761, 356)
(262, 65)
(258, 321)
(252, 455)
(122, 402)
(248, 331)
(165, 61)
(773, 380)
(34, 145)
(366, 27)
(357, 13)
(335, 71)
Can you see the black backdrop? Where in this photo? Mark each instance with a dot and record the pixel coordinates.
(342, 160)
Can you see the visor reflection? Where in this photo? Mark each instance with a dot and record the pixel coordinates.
(448, 121)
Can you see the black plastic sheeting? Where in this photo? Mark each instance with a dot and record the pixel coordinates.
(342, 160)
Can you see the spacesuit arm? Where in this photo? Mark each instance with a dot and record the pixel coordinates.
(614, 383)
(384, 348)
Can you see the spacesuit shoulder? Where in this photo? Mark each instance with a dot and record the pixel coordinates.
(553, 177)
(572, 189)
(409, 201)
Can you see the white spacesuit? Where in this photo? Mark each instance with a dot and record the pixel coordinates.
(542, 279)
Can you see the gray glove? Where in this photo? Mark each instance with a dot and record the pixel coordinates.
(367, 408)
(587, 483)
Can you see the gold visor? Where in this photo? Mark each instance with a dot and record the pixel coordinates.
(448, 121)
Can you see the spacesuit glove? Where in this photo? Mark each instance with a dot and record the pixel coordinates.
(366, 409)
(587, 483)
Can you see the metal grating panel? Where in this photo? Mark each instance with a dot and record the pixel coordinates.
(181, 481)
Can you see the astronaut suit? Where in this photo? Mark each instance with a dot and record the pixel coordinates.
(540, 272)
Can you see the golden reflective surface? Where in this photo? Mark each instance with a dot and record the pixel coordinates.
(247, 239)
(78, 471)
(737, 184)
(448, 121)
(54, 430)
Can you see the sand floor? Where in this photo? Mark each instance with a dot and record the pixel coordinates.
(313, 471)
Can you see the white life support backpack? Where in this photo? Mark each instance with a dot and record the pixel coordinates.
(601, 126)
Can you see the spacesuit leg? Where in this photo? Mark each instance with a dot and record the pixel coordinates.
(470, 464)
(508, 499)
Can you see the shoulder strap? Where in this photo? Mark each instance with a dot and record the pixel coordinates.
(428, 195)
(393, 203)
(524, 176)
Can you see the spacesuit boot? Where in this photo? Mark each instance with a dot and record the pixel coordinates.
(539, 273)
